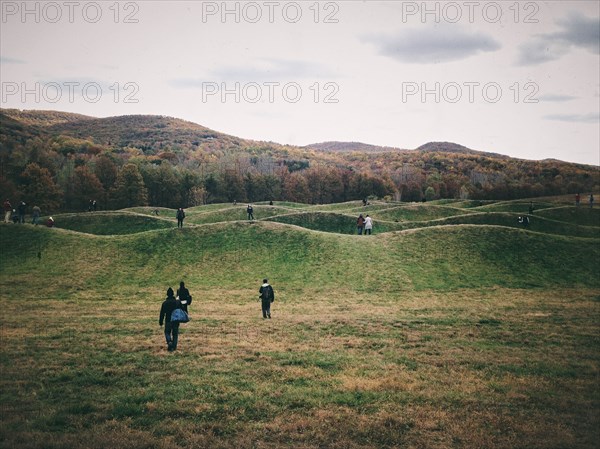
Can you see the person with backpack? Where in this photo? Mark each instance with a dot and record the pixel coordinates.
(180, 217)
(267, 296)
(171, 329)
(184, 297)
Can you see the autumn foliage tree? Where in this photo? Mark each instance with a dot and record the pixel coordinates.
(38, 188)
(83, 187)
(129, 189)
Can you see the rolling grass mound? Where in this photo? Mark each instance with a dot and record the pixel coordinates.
(238, 253)
(331, 222)
(472, 335)
(583, 216)
(536, 224)
(416, 212)
(233, 214)
(514, 206)
(110, 223)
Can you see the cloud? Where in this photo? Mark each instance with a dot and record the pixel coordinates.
(593, 118)
(556, 98)
(261, 70)
(577, 31)
(432, 44)
(5, 60)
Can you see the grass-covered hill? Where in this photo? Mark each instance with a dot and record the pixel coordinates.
(450, 327)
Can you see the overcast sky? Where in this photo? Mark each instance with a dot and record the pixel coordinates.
(516, 78)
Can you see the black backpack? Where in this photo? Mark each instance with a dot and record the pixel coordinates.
(267, 293)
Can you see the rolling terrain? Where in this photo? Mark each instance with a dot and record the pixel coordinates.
(451, 326)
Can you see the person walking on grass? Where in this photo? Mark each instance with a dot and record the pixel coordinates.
(184, 297)
(267, 296)
(180, 216)
(591, 200)
(171, 329)
(368, 225)
(360, 224)
(250, 212)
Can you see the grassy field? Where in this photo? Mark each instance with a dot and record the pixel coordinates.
(450, 334)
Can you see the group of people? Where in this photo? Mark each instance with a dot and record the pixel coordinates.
(18, 215)
(169, 305)
(182, 299)
(590, 200)
(364, 224)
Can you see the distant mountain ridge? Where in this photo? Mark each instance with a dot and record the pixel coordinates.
(199, 165)
(346, 147)
(442, 147)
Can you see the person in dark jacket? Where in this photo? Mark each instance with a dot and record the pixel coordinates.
(180, 217)
(22, 208)
(360, 224)
(184, 297)
(267, 296)
(171, 329)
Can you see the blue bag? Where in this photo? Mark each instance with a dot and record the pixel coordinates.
(179, 316)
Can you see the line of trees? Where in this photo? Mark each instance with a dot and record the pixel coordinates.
(64, 174)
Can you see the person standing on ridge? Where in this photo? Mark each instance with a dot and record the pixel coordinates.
(7, 211)
(591, 200)
(22, 207)
(250, 212)
(180, 216)
(267, 296)
(36, 212)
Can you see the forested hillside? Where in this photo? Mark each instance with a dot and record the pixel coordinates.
(60, 161)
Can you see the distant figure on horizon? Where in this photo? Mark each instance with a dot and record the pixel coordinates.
(591, 200)
(250, 212)
(183, 295)
(271, 203)
(7, 211)
(180, 216)
(171, 329)
(360, 224)
(577, 199)
(267, 296)
(368, 225)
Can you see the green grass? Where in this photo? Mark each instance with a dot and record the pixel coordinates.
(110, 223)
(477, 335)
